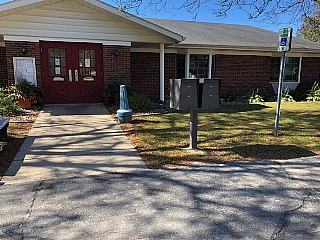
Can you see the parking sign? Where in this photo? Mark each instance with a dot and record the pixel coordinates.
(285, 36)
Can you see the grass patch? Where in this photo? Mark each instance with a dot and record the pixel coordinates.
(231, 133)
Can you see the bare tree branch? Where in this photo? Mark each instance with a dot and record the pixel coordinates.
(266, 10)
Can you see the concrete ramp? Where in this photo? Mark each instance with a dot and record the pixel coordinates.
(73, 140)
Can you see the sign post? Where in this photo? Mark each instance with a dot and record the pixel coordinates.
(285, 36)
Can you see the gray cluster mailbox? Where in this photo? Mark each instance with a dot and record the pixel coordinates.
(194, 93)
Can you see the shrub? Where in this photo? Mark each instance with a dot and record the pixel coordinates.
(111, 91)
(229, 97)
(287, 97)
(24, 90)
(253, 97)
(139, 102)
(8, 105)
(314, 94)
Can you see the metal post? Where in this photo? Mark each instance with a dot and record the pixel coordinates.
(162, 72)
(282, 68)
(193, 128)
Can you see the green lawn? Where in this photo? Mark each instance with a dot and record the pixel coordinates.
(231, 133)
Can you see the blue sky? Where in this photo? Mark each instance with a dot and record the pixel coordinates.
(234, 16)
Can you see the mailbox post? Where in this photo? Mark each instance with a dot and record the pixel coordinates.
(194, 95)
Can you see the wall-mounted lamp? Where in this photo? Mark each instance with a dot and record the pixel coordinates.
(23, 51)
(116, 53)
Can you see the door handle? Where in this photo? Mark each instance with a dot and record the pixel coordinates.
(76, 75)
(70, 76)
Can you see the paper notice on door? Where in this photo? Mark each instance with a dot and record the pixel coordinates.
(87, 62)
(57, 61)
(57, 70)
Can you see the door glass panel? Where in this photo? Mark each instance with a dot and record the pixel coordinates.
(57, 62)
(87, 63)
(93, 53)
(62, 52)
(50, 52)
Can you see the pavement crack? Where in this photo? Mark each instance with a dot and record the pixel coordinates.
(279, 233)
(28, 213)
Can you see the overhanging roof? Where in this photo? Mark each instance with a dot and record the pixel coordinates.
(230, 36)
(21, 5)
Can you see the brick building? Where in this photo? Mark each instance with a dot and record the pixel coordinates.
(73, 49)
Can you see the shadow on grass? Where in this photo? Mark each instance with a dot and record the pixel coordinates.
(192, 157)
(267, 152)
(237, 108)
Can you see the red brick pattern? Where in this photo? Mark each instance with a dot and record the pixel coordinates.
(3, 68)
(13, 49)
(310, 72)
(243, 74)
(116, 64)
(145, 73)
(240, 74)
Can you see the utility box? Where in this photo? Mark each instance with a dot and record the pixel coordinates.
(184, 94)
(195, 93)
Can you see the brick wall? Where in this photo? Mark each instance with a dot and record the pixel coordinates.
(145, 73)
(310, 72)
(116, 68)
(3, 68)
(243, 74)
(13, 49)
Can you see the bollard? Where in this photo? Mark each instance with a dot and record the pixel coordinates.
(124, 114)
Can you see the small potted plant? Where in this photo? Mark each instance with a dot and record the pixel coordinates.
(26, 94)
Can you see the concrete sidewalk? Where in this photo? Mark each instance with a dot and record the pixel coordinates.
(73, 140)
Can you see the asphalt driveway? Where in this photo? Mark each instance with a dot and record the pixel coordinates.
(224, 201)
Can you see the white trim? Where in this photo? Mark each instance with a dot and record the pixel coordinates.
(210, 66)
(187, 65)
(241, 49)
(10, 6)
(37, 39)
(25, 69)
(152, 50)
(300, 65)
(162, 72)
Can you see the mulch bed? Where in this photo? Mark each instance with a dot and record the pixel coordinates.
(18, 130)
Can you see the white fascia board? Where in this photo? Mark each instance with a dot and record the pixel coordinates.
(241, 50)
(37, 39)
(136, 20)
(17, 4)
(152, 50)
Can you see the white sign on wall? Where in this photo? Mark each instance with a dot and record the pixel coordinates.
(25, 69)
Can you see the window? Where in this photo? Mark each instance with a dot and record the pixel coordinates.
(57, 62)
(292, 69)
(87, 63)
(199, 64)
(181, 68)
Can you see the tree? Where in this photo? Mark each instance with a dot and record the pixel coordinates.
(270, 10)
(310, 28)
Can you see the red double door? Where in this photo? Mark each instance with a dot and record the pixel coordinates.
(71, 72)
